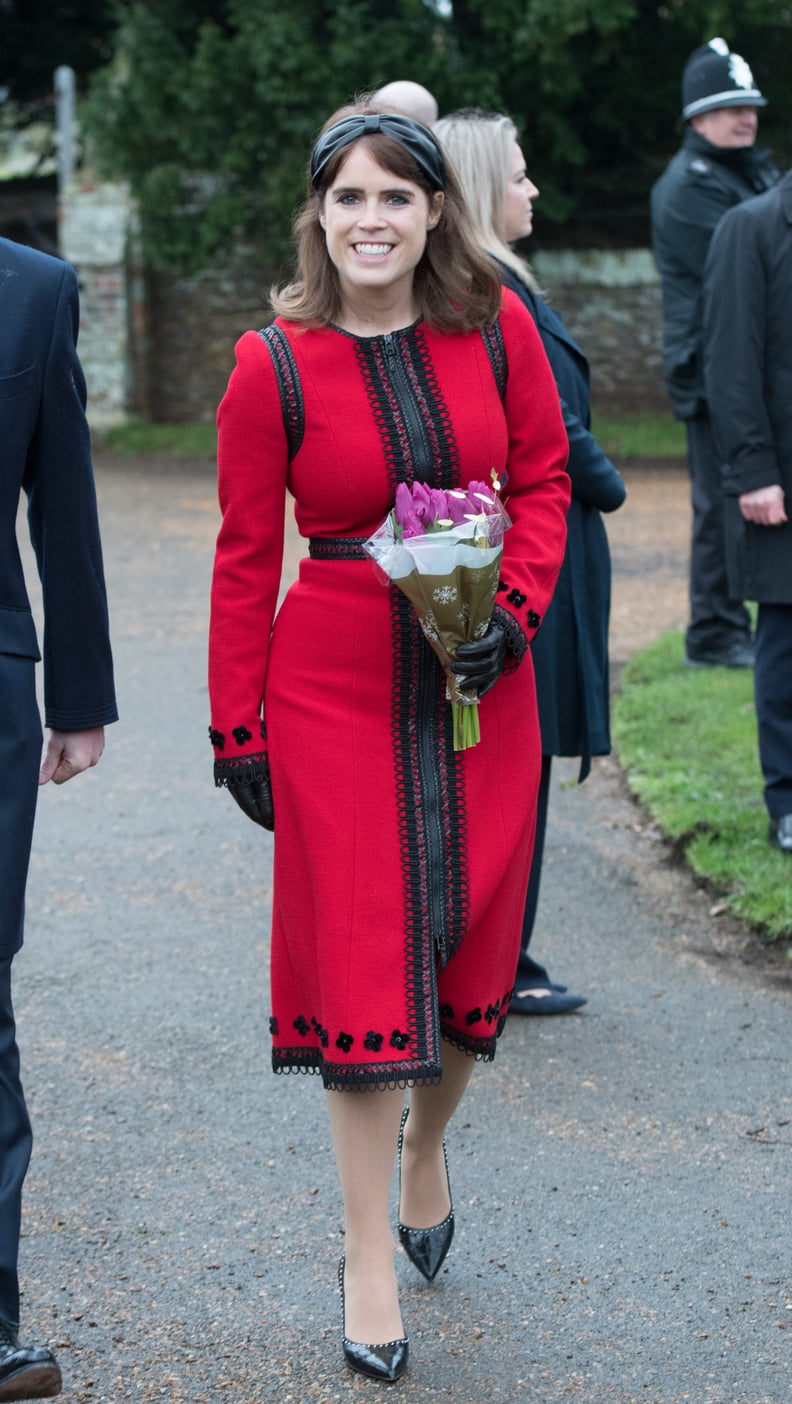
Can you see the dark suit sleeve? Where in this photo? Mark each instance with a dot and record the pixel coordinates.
(735, 312)
(64, 529)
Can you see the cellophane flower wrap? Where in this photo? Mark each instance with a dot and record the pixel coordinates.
(443, 549)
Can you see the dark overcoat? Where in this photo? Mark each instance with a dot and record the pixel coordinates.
(748, 363)
(699, 184)
(570, 651)
(45, 452)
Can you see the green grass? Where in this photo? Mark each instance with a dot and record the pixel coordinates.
(179, 440)
(628, 436)
(687, 741)
(640, 435)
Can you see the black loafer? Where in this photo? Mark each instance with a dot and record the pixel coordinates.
(532, 1002)
(739, 654)
(26, 1372)
(780, 833)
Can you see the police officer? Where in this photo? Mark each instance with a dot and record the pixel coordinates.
(716, 167)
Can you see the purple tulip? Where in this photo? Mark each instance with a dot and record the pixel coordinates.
(422, 503)
(457, 505)
(439, 502)
(412, 526)
(475, 493)
(403, 504)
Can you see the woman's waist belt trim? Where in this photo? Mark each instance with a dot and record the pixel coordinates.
(336, 548)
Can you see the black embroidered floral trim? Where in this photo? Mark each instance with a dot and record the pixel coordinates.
(408, 1072)
(289, 388)
(217, 739)
(321, 1033)
(229, 770)
(241, 735)
(481, 1048)
(492, 337)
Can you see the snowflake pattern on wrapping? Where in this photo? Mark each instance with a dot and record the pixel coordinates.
(429, 625)
(445, 594)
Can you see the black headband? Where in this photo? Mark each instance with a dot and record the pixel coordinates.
(414, 137)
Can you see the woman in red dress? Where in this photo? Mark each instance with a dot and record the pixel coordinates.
(400, 865)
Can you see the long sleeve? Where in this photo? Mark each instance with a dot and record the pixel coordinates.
(537, 489)
(252, 467)
(62, 514)
(735, 334)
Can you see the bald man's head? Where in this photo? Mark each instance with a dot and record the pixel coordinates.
(411, 98)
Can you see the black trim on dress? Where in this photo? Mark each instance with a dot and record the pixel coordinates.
(287, 378)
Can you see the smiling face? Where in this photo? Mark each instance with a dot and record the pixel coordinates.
(376, 224)
(728, 126)
(518, 200)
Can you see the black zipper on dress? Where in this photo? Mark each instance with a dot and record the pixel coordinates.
(428, 739)
(422, 459)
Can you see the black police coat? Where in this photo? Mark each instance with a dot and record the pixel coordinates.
(698, 186)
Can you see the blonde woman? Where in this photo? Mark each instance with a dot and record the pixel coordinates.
(570, 652)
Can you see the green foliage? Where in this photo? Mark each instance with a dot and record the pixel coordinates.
(36, 36)
(209, 108)
(687, 741)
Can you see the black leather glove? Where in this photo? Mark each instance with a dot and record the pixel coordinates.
(254, 798)
(479, 663)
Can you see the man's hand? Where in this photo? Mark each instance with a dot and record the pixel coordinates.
(69, 752)
(765, 506)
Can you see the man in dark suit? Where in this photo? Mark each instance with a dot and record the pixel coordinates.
(748, 367)
(45, 450)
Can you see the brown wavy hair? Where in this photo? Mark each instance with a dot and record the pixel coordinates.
(456, 285)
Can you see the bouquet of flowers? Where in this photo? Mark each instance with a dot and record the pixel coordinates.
(442, 548)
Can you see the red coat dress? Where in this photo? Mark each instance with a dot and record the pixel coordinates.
(400, 866)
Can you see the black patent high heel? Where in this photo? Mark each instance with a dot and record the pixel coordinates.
(426, 1248)
(386, 1363)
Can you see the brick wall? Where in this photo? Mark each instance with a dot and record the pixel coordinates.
(193, 325)
(611, 304)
